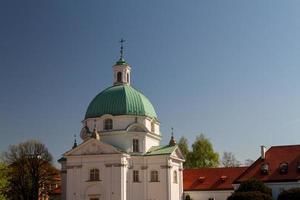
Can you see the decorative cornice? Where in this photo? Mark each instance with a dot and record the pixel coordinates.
(165, 166)
(115, 165)
(73, 166)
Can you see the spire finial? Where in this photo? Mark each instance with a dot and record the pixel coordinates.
(122, 48)
(172, 140)
(75, 142)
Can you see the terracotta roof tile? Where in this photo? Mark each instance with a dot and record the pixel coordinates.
(274, 157)
(211, 178)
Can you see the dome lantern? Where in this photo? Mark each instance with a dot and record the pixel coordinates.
(121, 69)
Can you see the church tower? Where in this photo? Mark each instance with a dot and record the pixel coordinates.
(120, 157)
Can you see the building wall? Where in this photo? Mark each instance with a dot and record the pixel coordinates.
(116, 183)
(122, 122)
(280, 186)
(205, 195)
(109, 187)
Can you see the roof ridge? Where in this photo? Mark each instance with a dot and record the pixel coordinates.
(281, 146)
(217, 168)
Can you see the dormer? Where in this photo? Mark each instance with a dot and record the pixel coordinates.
(201, 179)
(223, 178)
(283, 168)
(264, 169)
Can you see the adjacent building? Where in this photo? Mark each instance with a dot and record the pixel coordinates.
(210, 183)
(278, 168)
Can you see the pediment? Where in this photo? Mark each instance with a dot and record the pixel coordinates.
(136, 127)
(178, 154)
(93, 147)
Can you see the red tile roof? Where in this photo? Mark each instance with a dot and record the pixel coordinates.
(274, 157)
(211, 178)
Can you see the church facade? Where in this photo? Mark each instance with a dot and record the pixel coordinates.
(120, 157)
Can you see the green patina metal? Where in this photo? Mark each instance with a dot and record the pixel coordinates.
(121, 61)
(120, 100)
(160, 150)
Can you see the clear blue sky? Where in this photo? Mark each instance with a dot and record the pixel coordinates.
(229, 69)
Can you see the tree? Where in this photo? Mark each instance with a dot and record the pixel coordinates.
(248, 162)
(31, 171)
(249, 196)
(253, 185)
(203, 154)
(229, 160)
(184, 147)
(4, 181)
(252, 190)
(291, 194)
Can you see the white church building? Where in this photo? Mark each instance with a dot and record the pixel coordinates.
(120, 157)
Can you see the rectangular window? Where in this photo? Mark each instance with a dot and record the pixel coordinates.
(136, 176)
(154, 176)
(135, 145)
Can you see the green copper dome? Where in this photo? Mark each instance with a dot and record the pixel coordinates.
(120, 100)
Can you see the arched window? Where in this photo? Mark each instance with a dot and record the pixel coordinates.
(175, 177)
(154, 176)
(94, 175)
(127, 78)
(108, 124)
(119, 76)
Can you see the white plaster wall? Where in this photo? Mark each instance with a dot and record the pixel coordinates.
(205, 195)
(116, 183)
(121, 122)
(176, 192)
(150, 142)
(280, 186)
(157, 190)
(109, 187)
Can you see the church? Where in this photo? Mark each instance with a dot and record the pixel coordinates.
(120, 156)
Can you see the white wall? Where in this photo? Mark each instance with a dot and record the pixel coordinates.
(280, 186)
(109, 187)
(121, 122)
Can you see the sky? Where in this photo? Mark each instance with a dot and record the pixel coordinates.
(227, 69)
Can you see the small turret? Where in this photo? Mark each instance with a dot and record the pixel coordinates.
(172, 140)
(75, 142)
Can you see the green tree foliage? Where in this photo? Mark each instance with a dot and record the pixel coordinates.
(249, 196)
(203, 154)
(291, 194)
(4, 181)
(184, 147)
(252, 190)
(31, 171)
(229, 160)
(253, 185)
(187, 197)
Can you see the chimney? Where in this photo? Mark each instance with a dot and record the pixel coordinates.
(263, 152)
